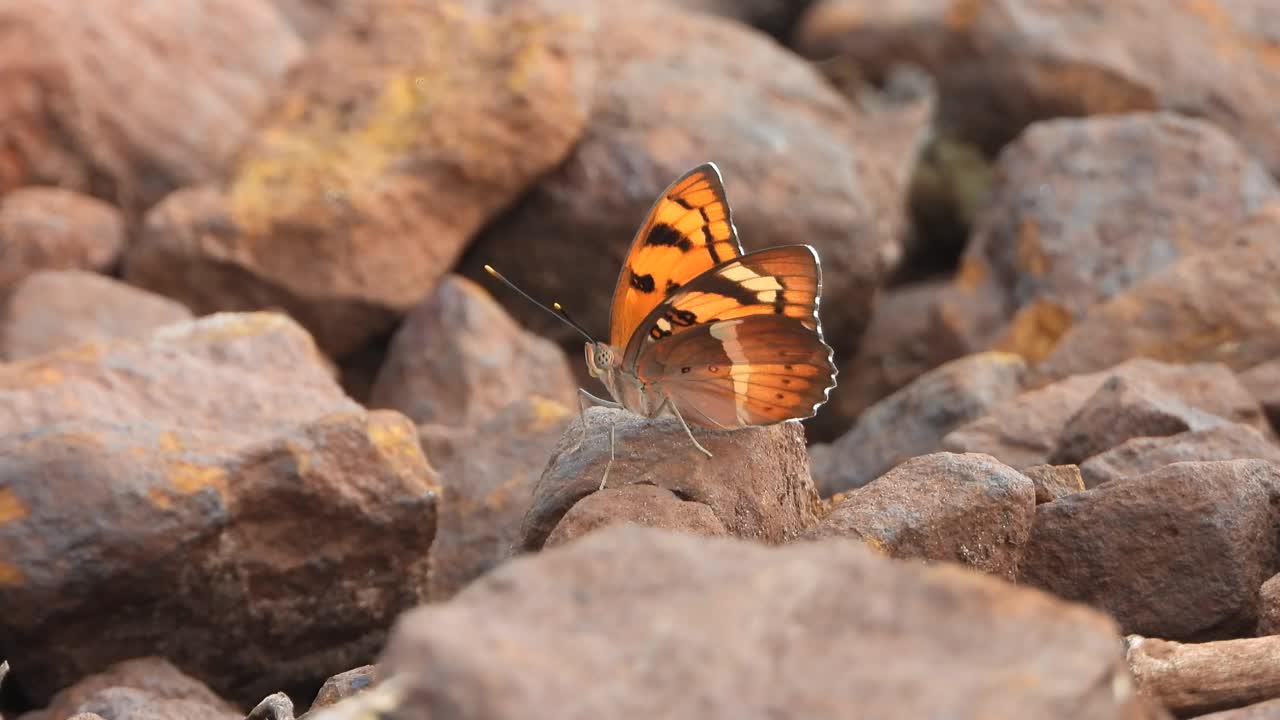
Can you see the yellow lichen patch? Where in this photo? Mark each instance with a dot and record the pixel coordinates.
(1035, 330)
(876, 544)
(296, 166)
(1031, 257)
(10, 574)
(301, 457)
(11, 508)
(396, 439)
(170, 442)
(971, 274)
(188, 478)
(546, 412)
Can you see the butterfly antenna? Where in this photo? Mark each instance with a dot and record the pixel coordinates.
(558, 311)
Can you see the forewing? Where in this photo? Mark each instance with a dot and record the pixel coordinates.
(783, 281)
(755, 370)
(688, 230)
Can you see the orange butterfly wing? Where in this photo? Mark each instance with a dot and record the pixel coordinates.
(741, 344)
(687, 231)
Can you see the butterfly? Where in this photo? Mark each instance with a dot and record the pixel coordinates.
(700, 331)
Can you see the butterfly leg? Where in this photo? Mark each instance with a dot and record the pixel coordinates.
(667, 404)
(585, 400)
(605, 479)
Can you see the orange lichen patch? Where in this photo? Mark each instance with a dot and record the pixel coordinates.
(188, 478)
(170, 442)
(1194, 345)
(962, 15)
(1030, 254)
(11, 508)
(159, 498)
(1035, 330)
(1229, 38)
(971, 274)
(10, 574)
(221, 327)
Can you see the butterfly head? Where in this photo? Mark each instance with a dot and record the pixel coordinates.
(601, 359)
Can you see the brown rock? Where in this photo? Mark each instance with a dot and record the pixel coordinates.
(1269, 607)
(966, 509)
(1266, 710)
(311, 18)
(1141, 455)
(913, 420)
(1082, 209)
(131, 105)
(344, 685)
(1178, 553)
(772, 16)
(756, 483)
(1123, 409)
(1002, 65)
(57, 308)
(406, 129)
(898, 346)
(1218, 305)
(794, 166)
(1054, 481)
(1263, 381)
(647, 505)
(276, 706)
(176, 483)
(54, 229)
(459, 358)
(149, 685)
(1025, 430)
(487, 478)
(663, 624)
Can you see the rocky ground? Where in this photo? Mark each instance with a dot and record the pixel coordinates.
(272, 444)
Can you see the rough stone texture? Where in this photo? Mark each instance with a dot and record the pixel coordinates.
(403, 132)
(1006, 63)
(647, 505)
(1123, 409)
(51, 309)
(898, 346)
(796, 168)
(487, 478)
(913, 420)
(458, 358)
(130, 100)
(149, 687)
(1141, 455)
(1178, 553)
(1218, 305)
(1263, 380)
(54, 229)
(1024, 431)
(1054, 481)
(176, 483)
(756, 483)
(1081, 210)
(1269, 607)
(344, 685)
(966, 509)
(662, 624)
(1268, 710)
